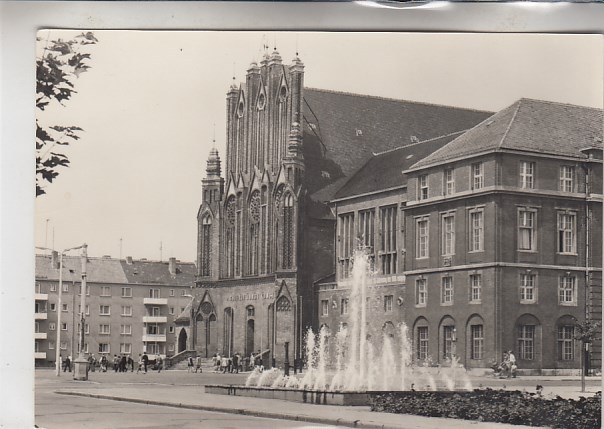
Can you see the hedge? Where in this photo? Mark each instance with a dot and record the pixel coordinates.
(500, 406)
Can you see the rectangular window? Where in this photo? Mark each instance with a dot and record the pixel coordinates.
(53, 306)
(476, 231)
(126, 310)
(366, 228)
(346, 244)
(86, 328)
(566, 232)
(324, 307)
(475, 287)
(388, 300)
(526, 230)
(104, 329)
(63, 345)
(125, 329)
(104, 348)
(155, 311)
(182, 293)
(51, 345)
(87, 310)
(422, 238)
(87, 290)
(447, 290)
(126, 292)
(171, 292)
(422, 182)
(527, 175)
(421, 292)
(448, 234)
(172, 310)
(449, 182)
(528, 292)
(154, 293)
(105, 290)
(65, 287)
(567, 294)
(53, 287)
(170, 347)
(182, 309)
(344, 306)
(85, 348)
(526, 342)
(171, 329)
(567, 175)
(388, 255)
(477, 338)
(52, 326)
(422, 342)
(126, 348)
(64, 307)
(566, 343)
(448, 341)
(477, 176)
(104, 310)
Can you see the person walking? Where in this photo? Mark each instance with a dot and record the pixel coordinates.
(190, 364)
(67, 364)
(130, 364)
(217, 362)
(198, 364)
(145, 361)
(513, 367)
(140, 363)
(123, 364)
(235, 368)
(159, 362)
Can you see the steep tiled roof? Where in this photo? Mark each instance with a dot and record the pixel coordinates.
(528, 125)
(384, 170)
(141, 271)
(342, 130)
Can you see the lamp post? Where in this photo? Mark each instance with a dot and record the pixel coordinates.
(81, 363)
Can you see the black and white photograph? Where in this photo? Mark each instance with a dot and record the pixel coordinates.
(259, 229)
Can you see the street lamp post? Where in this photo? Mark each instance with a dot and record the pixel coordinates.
(81, 363)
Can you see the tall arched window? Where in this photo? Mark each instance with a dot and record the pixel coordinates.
(254, 232)
(288, 231)
(206, 228)
(264, 266)
(238, 235)
(229, 242)
(228, 332)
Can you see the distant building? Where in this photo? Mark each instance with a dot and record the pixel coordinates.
(131, 306)
(483, 241)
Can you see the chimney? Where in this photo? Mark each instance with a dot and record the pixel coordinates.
(54, 259)
(172, 266)
(129, 260)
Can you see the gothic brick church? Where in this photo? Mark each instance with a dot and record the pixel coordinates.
(266, 233)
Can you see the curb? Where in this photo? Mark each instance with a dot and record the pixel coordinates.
(240, 411)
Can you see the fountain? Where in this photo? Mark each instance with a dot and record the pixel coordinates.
(361, 360)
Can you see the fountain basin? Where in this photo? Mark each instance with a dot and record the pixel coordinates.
(293, 395)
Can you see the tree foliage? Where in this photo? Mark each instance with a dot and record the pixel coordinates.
(588, 331)
(56, 69)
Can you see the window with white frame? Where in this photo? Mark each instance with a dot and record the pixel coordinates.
(344, 306)
(388, 300)
(566, 342)
(85, 348)
(324, 307)
(154, 293)
(155, 311)
(567, 232)
(87, 290)
(449, 181)
(447, 290)
(182, 309)
(126, 292)
(183, 292)
(53, 287)
(65, 287)
(422, 237)
(125, 348)
(53, 306)
(422, 190)
(422, 342)
(528, 289)
(346, 244)
(527, 175)
(126, 310)
(52, 326)
(526, 230)
(171, 329)
(125, 329)
(366, 232)
(172, 310)
(477, 341)
(476, 231)
(104, 310)
(475, 287)
(104, 329)
(526, 342)
(170, 347)
(421, 292)
(63, 345)
(448, 234)
(104, 348)
(388, 257)
(171, 292)
(86, 328)
(477, 175)
(64, 307)
(105, 290)
(51, 345)
(567, 290)
(567, 177)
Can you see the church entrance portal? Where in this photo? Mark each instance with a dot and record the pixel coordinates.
(182, 340)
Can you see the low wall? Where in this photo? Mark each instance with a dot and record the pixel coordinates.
(305, 396)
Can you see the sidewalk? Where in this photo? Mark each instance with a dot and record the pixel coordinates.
(193, 397)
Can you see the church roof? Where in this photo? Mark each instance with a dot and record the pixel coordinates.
(143, 271)
(530, 126)
(343, 130)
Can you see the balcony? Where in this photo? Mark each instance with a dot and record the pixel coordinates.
(155, 301)
(154, 338)
(155, 319)
(40, 355)
(40, 335)
(41, 297)
(41, 316)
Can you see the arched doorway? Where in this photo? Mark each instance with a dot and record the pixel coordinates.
(249, 337)
(182, 340)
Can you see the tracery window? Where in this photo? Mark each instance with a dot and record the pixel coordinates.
(206, 228)
(230, 236)
(288, 231)
(264, 242)
(238, 235)
(254, 212)
(283, 304)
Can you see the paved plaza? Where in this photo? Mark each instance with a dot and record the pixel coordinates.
(176, 399)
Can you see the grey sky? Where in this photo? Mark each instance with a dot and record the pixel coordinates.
(149, 102)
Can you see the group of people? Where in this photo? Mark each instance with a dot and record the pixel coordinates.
(235, 363)
(507, 367)
(194, 365)
(121, 363)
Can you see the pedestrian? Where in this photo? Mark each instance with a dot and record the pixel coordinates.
(252, 361)
(145, 361)
(123, 363)
(217, 362)
(224, 363)
(67, 365)
(190, 364)
(104, 363)
(131, 363)
(235, 363)
(91, 362)
(116, 362)
(513, 367)
(140, 363)
(159, 363)
(198, 364)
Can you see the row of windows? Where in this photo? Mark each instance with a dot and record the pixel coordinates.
(526, 179)
(388, 305)
(105, 329)
(125, 348)
(525, 340)
(126, 292)
(567, 290)
(566, 234)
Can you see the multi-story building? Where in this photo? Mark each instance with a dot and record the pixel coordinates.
(131, 306)
(498, 231)
(265, 230)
